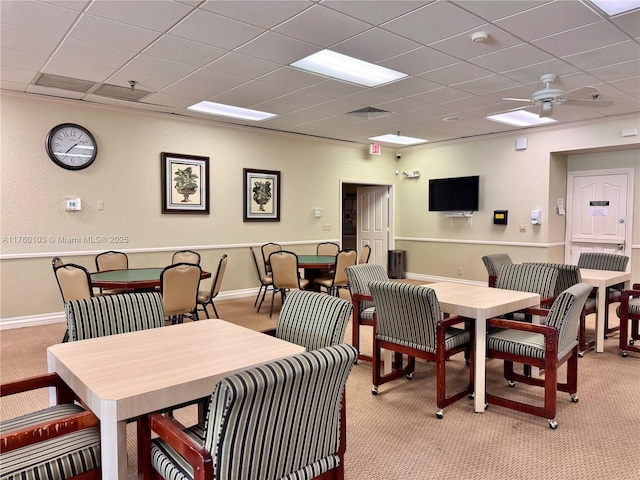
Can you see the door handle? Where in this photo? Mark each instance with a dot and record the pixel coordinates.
(621, 246)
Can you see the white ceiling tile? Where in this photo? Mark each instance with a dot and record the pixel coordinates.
(303, 98)
(196, 92)
(619, 71)
(511, 58)
(215, 30)
(456, 73)
(334, 88)
(419, 60)
(26, 40)
(276, 106)
(589, 37)
(371, 97)
(262, 13)
(260, 91)
(17, 75)
(292, 78)
(609, 55)
(143, 82)
(168, 100)
(375, 12)
(463, 47)
(158, 15)
(93, 53)
(20, 59)
(243, 65)
(408, 86)
(184, 51)
(206, 77)
(73, 69)
(491, 10)
(532, 73)
(441, 95)
(310, 26)
(278, 48)
(548, 19)
(486, 85)
(158, 67)
(375, 46)
(37, 16)
(629, 23)
(434, 22)
(112, 34)
(55, 92)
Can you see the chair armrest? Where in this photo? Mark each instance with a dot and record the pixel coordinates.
(624, 300)
(526, 327)
(270, 331)
(360, 297)
(47, 430)
(547, 300)
(492, 280)
(542, 312)
(453, 320)
(63, 393)
(170, 430)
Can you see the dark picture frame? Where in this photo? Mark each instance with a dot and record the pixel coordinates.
(185, 183)
(261, 195)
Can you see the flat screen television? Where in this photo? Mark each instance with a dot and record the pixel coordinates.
(459, 194)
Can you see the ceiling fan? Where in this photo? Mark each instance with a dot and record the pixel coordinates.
(548, 97)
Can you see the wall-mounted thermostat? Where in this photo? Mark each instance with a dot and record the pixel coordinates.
(72, 204)
(500, 217)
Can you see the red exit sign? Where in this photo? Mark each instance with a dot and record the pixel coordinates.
(374, 149)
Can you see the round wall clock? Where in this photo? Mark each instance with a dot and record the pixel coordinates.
(71, 146)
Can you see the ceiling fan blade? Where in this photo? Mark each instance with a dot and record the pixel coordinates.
(583, 92)
(518, 99)
(589, 103)
(546, 112)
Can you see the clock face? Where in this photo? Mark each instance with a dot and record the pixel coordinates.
(71, 146)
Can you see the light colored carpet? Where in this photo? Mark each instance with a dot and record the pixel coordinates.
(395, 435)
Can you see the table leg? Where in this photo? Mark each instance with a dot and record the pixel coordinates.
(601, 297)
(113, 437)
(480, 363)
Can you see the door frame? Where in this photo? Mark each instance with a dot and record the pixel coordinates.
(629, 171)
(391, 209)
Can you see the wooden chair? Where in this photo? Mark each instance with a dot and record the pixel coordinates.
(365, 253)
(256, 430)
(266, 280)
(74, 282)
(186, 256)
(494, 261)
(408, 321)
(606, 261)
(327, 248)
(58, 443)
(267, 249)
(545, 346)
(337, 279)
(205, 297)
(285, 274)
(179, 287)
(363, 308)
(312, 319)
(629, 313)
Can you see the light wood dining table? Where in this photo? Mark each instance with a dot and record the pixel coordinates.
(480, 303)
(123, 376)
(601, 279)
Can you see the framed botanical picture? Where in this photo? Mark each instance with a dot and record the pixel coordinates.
(261, 195)
(185, 184)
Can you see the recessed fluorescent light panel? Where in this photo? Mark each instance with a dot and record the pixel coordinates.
(520, 118)
(349, 69)
(398, 139)
(230, 111)
(614, 7)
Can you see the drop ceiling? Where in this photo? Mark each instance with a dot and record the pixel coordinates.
(238, 53)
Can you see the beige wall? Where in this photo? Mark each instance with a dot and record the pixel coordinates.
(126, 176)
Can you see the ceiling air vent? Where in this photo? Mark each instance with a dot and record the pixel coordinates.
(121, 93)
(64, 83)
(370, 112)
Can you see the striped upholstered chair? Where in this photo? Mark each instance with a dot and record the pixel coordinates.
(408, 321)
(606, 261)
(312, 320)
(546, 346)
(112, 314)
(57, 443)
(629, 313)
(276, 421)
(494, 261)
(363, 308)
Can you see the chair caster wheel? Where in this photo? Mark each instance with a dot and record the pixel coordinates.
(553, 424)
(439, 414)
(374, 391)
(409, 376)
(486, 406)
(624, 354)
(511, 383)
(574, 398)
(467, 362)
(632, 342)
(581, 354)
(606, 336)
(471, 396)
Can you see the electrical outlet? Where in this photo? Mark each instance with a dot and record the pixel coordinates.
(326, 227)
(523, 228)
(459, 271)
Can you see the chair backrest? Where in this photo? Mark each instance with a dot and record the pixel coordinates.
(568, 275)
(564, 315)
(406, 314)
(603, 261)
(74, 281)
(365, 253)
(280, 420)
(494, 261)
(525, 277)
(267, 249)
(179, 286)
(327, 248)
(186, 256)
(313, 320)
(217, 281)
(284, 269)
(112, 260)
(113, 314)
(259, 271)
(361, 275)
(344, 258)
(56, 262)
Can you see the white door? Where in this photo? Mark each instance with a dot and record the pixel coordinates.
(373, 222)
(599, 213)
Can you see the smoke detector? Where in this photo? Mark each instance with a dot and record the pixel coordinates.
(479, 37)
